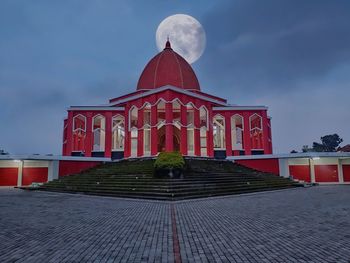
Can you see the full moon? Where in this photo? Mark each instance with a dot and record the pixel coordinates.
(186, 35)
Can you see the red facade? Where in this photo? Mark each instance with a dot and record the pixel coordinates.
(167, 112)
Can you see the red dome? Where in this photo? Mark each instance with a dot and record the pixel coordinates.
(168, 68)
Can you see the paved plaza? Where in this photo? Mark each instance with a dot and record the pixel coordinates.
(298, 225)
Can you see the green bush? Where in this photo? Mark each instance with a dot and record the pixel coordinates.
(166, 160)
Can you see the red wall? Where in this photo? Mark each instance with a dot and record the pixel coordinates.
(300, 172)
(72, 167)
(264, 165)
(8, 176)
(326, 173)
(34, 175)
(346, 172)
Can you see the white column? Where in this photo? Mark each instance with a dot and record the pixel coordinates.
(52, 170)
(283, 167)
(340, 171)
(20, 173)
(312, 170)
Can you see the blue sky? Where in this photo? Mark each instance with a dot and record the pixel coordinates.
(293, 56)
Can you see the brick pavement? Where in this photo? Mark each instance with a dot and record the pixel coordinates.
(302, 225)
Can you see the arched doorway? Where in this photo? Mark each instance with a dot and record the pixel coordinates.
(162, 139)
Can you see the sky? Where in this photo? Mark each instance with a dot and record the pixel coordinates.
(292, 56)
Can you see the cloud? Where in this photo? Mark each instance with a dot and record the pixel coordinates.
(272, 45)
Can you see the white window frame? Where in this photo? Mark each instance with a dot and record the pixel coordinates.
(222, 139)
(102, 133)
(120, 120)
(235, 145)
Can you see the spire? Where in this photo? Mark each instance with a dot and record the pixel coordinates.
(167, 44)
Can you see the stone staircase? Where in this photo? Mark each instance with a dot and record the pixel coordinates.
(202, 178)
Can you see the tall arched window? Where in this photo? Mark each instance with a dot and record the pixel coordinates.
(118, 133)
(219, 132)
(203, 118)
(190, 129)
(133, 116)
(160, 113)
(147, 130)
(176, 111)
(79, 133)
(237, 132)
(99, 125)
(256, 131)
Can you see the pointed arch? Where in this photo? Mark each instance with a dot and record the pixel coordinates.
(79, 133)
(133, 117)
(118, 132)
(99, 133)
(219, 132)
(256, 131)
(161, 112)
(203, 116)
(237, 131)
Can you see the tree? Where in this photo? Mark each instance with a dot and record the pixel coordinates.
(2, 152)
(329, 143)
(293, 151)
(306, 149)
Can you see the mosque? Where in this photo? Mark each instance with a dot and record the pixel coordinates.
(167, 112)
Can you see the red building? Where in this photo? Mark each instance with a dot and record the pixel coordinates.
(167, 112)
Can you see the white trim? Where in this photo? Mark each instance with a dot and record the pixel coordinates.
(207, 116)
(97, 108)
(283, 168)
(240, 108)
(340, 171)
(250, 122)
(77, 129)
(223, 140)
(312, 170)
(233, 145)
(53, 157)
(130, 113)
(20, 173)
(167, 87)
(52, 172)
(291, 155)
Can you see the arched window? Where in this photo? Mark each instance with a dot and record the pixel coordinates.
(133, 116)
(79, 133)
(147, 114)
(237, 132)
(118, 133)
(160, 113)
(147, 130)
(203, 118)
(256, 132)
(219, 132)
(176, 111)
(99, 125)
(190, 129)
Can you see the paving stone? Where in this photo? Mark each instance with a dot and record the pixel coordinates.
(302, 225)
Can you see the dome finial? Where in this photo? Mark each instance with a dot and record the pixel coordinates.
(167, 44)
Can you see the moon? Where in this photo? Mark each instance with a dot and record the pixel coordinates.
(186, 35)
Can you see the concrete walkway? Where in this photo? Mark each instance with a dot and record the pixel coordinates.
(302, 225)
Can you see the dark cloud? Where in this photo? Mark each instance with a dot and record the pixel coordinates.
(272, 44)
(292, 56)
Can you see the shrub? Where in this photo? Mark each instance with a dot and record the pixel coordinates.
(166, 160)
